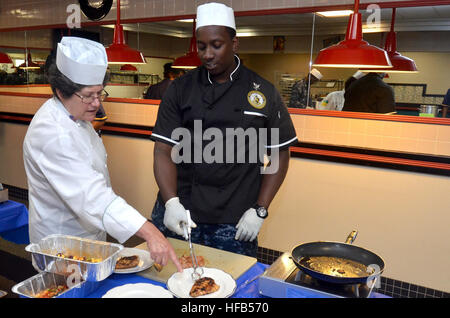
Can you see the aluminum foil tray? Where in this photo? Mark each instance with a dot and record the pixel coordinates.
(45, 259)
(40, 282)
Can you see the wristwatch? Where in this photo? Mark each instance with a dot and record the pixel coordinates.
(261, 211)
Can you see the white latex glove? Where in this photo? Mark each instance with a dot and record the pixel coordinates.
(176, 217)
(248, 226)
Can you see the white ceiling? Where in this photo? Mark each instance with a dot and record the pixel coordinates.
(431, 18)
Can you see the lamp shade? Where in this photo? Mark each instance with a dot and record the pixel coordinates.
(29, 64)
(128, 68)
(353, 51)
(190, 60)
(120, 53)
(400, 63)
(5, 59)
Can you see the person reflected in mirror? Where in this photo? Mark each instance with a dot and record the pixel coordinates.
(99, 120)
(446, 104)
(156, 91)
(335, 100)
(370, 94)
(301, 93)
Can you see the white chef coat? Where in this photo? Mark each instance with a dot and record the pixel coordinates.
(333, 101)
(69, 188)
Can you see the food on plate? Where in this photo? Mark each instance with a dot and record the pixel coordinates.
(158, 267)
(127, 262)
(51, 292)
(336, 266)
(80, 258)
(203, 286)
(186, 261)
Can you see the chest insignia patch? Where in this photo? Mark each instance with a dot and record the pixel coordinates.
(256, 98)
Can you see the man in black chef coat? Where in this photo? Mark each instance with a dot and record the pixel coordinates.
(209, 107)
(370, 94)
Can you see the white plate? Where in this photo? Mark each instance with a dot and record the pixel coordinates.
(180, 284)
(145, 260)
(140, 290)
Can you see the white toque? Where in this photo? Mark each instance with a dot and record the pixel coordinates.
(215, 14)
(83, 61)
(316, 73)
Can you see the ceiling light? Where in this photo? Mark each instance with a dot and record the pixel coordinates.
(400, 63)
(128, 68)
(190, 60)
(5, 59)
(335, 14)
(186, 20)
(353, 51)
(28, 64)
(120, 53)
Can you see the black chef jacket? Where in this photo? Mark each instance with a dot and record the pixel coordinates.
(221, 192)
(369, 94)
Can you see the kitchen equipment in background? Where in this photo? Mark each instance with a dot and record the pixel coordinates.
(428, 110)
(329, 264)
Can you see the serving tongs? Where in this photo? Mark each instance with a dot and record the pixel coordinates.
(198, 271)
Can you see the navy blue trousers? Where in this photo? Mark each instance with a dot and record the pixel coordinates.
(219, 236)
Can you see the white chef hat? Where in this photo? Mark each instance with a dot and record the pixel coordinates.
(213, 13)
(82, 61)
(316, 73)
(358, 75)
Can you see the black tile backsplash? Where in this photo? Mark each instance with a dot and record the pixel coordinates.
(388, 286)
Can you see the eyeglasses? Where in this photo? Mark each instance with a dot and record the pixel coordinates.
(90, 99)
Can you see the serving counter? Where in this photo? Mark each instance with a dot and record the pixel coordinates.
(247, 284)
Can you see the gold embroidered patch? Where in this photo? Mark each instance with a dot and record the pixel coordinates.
(256, 99)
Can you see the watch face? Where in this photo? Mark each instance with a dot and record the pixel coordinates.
(261, 212)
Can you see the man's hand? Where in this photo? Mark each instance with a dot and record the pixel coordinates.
(175, 216)
(248, 226)
(161, 251)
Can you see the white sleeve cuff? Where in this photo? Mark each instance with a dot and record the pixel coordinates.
(121, 220)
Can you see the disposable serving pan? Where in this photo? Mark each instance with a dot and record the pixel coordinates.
(32, 286)
(44, 256)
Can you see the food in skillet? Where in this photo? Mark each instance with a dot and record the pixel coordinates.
(51, 292)
(203, 286)
(336, 266)
(80, 258)
(127, 262)
(186, 261)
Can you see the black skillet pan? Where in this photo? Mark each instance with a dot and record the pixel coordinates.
(324, 261)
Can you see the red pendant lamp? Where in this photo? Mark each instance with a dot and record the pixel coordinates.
(119, 52)
(5, 59)
(400, 63)
(29, 64)
(353, 52)
(190, 60)
(128, 68)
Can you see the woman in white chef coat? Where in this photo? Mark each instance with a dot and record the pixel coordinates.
(65, 160)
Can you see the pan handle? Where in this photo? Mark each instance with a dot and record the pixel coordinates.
(351, 237)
